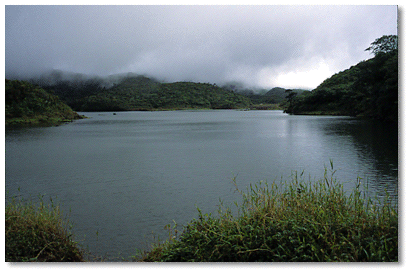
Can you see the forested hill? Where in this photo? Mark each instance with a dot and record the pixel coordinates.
(260, 96)
(142, 93)
(368, 89)
(137, 92)
(279, 94)
(131, 91)
(30, 104)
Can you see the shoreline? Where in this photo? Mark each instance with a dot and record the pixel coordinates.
(41, 120)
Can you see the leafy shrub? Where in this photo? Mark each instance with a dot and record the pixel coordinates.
(296, 221)
(38, 234)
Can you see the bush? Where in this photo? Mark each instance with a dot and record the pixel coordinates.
(296, 221)
(38, 234)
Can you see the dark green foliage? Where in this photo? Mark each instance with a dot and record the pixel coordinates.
(299, 221)
(368, 89)
(72, 92)
(27, 103)
(71, 87)
(376, 89)
(290, 97)
(38, 234)
(275, 96)
(137, 92)
(385, 44)
(331, 96)
(279, 95)
(141, 93)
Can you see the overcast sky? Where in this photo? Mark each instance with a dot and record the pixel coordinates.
(264, 46)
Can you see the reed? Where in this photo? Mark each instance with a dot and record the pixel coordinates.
(38, 233)
(296, 221)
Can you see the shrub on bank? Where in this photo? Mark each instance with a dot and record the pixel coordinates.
(293, 221)
(38, 234)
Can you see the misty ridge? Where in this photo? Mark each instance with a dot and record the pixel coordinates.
(131, 91)
(261, 46)
(367, 89)
(79, 80)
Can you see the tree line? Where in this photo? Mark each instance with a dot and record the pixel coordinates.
(142, 93)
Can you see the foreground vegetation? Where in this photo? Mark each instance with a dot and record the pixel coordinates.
(289, 221)
(29, 104)
(293, 221)
(38, 234)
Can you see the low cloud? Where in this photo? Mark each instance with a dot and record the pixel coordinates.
(264, 46)
(310, 78)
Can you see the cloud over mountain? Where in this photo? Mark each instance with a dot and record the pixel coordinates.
(265, 46)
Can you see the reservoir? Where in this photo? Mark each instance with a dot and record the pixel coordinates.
(122, 177)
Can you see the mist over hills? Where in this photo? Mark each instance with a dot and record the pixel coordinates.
(81, 91)
(131, 91)
(369, 88)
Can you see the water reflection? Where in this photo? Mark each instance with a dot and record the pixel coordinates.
(376, 144)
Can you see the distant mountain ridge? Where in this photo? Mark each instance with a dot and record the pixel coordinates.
(138, 92)
(143, 93)
(279, 94)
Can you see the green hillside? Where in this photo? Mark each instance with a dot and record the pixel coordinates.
(278, 95)
(262, 99)
(124, 92)
(142, 93)
(30, 104)
(368, 89)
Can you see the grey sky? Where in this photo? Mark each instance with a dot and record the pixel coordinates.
(265, 46)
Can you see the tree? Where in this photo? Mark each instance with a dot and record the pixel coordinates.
(385, 44)
(290, 97)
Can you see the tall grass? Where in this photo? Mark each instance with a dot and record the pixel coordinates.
(38, 233)
(296, 221)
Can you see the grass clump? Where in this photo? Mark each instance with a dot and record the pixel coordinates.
(38, 233)
(296, 221)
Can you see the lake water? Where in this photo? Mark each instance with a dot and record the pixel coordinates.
(124, 176)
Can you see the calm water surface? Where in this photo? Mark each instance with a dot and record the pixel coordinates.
(124, 177)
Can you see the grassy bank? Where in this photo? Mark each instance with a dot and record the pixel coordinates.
(294, 221)
(299, 220)
(38, 233)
